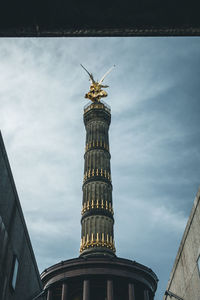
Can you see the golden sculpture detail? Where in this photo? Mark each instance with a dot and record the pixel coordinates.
(96, 93)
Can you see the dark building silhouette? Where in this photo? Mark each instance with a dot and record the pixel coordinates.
(19, 276)
(98, 273)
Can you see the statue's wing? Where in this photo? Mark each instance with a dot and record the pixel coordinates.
(90, 74)
(102, 79)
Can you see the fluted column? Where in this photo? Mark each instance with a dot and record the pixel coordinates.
(146, 295)
(49, 295)
(64, 291)
(110, 289)
(97, 234)
(86, 289)
(131, 292)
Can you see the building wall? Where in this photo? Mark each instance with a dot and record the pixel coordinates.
(14, 241)
(185, 276)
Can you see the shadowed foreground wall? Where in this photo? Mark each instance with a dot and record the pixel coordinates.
(15, 243)
(185, 276)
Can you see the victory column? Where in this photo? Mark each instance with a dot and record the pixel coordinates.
(98, 274)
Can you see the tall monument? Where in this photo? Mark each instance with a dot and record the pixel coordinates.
(98, 274)
(97, 212)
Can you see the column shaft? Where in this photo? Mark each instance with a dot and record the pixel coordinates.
(146, 295)
(131, 291)
(109, 290)
(86, 290)
(64, 291)
(49, 295)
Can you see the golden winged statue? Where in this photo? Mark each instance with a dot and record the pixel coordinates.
(96, 93)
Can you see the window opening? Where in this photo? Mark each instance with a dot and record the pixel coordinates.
(14, 272)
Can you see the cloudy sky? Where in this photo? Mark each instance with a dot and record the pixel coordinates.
(154, 140)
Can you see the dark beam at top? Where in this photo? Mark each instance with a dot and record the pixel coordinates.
(48, 18)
